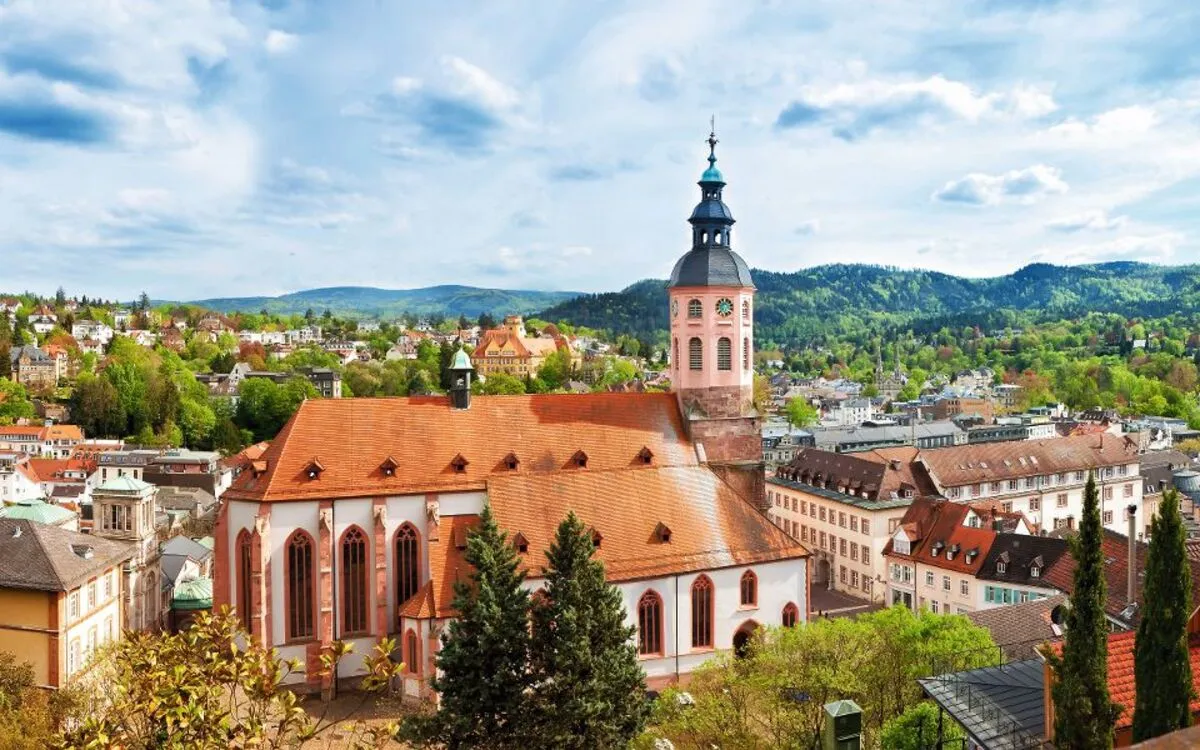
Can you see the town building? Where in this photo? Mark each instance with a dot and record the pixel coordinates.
(124, 510)
(511, 350)
(1043, 479)
(47, 440)
(43, 320)
(875, 435)
(844, 507)
(34, 368)
(948, 407)
(327, 382)
(61, 597)
(92, 329)
(378, 495)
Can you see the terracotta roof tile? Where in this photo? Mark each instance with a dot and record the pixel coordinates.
(938, 525)
(711, 526)
(423, 435)
(1018, 629)
(995, 462)
(447, 564)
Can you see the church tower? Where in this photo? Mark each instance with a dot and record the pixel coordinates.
(712, 335)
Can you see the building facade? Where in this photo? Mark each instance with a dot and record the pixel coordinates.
(124, 509)
(509, 349)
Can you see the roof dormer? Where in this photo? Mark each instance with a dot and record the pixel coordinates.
(459, 464)
(597, 538)
(579, 459)
(389, 466)
(645, 455)
(313, 469)
(520, 543)
(511, 462)
(662, 533)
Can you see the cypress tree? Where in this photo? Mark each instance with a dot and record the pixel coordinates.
(1163, 672)
(1083, 713)
(590, 690)
(484, 682)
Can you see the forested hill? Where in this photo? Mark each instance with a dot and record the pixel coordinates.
(357, 301)
(795, 308)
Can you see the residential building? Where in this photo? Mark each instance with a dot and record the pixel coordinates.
(61, 597)
(43, 320)
(123, 510)
(92, 329)
(122, 319)
(844, 507)
(1017, 569)
(1043, 479)
(848, 412)
(388, 489)
(327, 382)
(47, 440)
(510, 350)
(33, 368)
(18, 483)
(948, 407)
(9, 307)
(873, 435)
(39, 511)
(1005, 396)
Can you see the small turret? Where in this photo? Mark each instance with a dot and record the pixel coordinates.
(460, 380)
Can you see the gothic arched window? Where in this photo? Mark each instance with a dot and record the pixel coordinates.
(791, 615)
(749, 589)
(650, 623)
(408, 556)
(695, 354)
(695, 309)
(702, 612)
(355, 593)
(244, 574)
(301, 582)
(724, 353)
(412, 652)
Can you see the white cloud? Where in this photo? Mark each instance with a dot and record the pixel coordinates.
(1115, 125)
(1153, 248)
(404, 85)
(1024, 186)
(280, 42)
(473, 82)
(1096, 220)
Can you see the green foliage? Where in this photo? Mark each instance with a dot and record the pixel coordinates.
(483, 676)
(800, 413)
(264, 406)
(555, 370)
(501, 384)
(1083, 712)
(1163, 671)
(391, 303)
(14, 401)
(29, 716)
(874, 659)
(615, 371)
(590, 689)
(917, 729)
(201, 690)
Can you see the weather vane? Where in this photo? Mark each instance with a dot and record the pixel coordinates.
(712, 135)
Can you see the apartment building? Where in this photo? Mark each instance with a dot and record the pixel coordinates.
(1043, 479)
(845, 508)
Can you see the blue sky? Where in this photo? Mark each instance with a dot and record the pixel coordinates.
(196, 148)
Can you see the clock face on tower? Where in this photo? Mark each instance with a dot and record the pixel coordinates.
(674, 308)
(724, 307)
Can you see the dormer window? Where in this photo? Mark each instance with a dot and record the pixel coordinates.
(520, 543)
(511, 462)
(314, 469)
(459, 464)
(579, 459)
(460, 537)
(389, 466)
(1001, 567)
(1034, 571)
(662, 533)
(645, 455)
(596, 538)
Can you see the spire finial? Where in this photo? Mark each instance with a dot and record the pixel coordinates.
(712, 139)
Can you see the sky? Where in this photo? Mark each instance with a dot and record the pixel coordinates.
(196, 148)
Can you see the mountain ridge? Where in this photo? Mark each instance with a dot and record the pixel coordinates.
(365, 301)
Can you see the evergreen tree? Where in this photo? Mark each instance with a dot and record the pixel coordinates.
(1163, 672)
(590, 690)
(1083, 713)
(484, 677)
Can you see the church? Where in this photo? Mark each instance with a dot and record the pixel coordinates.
(353, 524)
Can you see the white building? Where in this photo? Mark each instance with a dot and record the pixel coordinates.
(93, 330)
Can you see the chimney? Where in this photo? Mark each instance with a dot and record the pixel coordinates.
(1130, 595)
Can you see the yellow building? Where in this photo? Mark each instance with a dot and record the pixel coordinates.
(509, 349)
(60, 597)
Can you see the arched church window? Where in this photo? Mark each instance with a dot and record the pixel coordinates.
(791, 615)
(695, 309)
(695, 354)
(412, 653)
(749, 589)
(354, 582)
(301, 597)
(244, 601)
(407, 563)
(650, 624)
(724, 354)
(702, 612)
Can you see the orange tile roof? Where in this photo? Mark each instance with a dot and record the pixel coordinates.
(711, 525)
(1121, 684)
(350, 438)
(64, 432)
(447, 564)
(993, 462)
(941, 521)
(50, 469)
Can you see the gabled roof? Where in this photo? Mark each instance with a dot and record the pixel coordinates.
(881, 474)
(995, 462)
(1022, 550)
(711, 525)
(1018, 629)
(423, 434)
(447, 564)
(943, 541)
(51, 558)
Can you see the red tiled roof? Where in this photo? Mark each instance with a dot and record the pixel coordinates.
(711, 526)
(447, 564)
(50, 469)
(352, 437)
(941, 521)
(1121, 684)
(994, 462)
(878, 474)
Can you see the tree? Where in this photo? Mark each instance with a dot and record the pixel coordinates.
(483, 678)
(1162, 669)
(800, 413)
(499, 383)
(590, 690)
(14, 402)
(201, 690)
(486, 322)
(555, 370)
(917, 729)
(6, 340)
(1083, 713)
(96, 407)
(29, 715)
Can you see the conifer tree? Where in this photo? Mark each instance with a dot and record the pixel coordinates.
(1162, 670)
(484, 681)
(1083, 713)
(590, 690)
